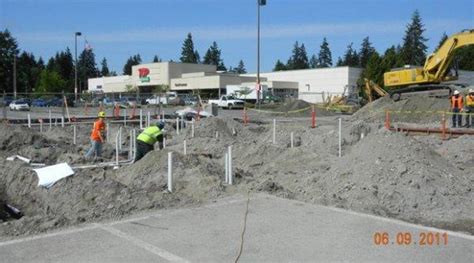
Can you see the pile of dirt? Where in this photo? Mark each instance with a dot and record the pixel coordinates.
(380, 172)
(414, 109)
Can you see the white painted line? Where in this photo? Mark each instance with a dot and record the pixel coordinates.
(41, 236)
(385, 219)
(145, 245)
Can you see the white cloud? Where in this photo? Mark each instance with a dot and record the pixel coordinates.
(241, 32)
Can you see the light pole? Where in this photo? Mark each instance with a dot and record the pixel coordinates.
(75, 63)
(259, 87)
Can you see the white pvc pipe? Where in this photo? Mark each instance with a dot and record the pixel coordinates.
(170, 172)
(141, 119)
(164, 142)
(163, 115)
(41, 126)
(230, 164)
(192, 129)
(134, 144)
(340, 139)
(291, 139)
(274, 131)
(107, 131)
(120, 138)
(55, 121)
(62, 121)
(148, 119)
(50, 120)
(130, 145)
(217, 134)
(184, 147)
(29, 121)
(125, 117)
(226, 165)
(177, 126)
(117, 149)
(74, 135)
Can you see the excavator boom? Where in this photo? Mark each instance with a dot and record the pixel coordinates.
(436, 65)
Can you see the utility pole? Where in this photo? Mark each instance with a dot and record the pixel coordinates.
(259, 87)
(14, 76)
(75, 63)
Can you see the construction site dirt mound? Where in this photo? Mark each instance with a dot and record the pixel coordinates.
(413, 109)
(380, 172)
(301, 108)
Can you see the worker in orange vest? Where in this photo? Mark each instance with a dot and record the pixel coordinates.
(97, 136)
(470, 108)
(457, 102)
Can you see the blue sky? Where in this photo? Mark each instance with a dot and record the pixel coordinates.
(117, 29)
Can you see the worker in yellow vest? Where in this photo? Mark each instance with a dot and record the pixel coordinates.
(470, 108)
(457, 101)
(147, 139)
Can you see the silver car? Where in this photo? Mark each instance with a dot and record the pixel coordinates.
(19, 105)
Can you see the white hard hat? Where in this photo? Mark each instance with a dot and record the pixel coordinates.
(471, 90)
(456, 92)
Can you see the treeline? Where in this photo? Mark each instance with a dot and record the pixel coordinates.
(413, 51)
(57, 75)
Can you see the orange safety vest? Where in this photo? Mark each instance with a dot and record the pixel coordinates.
(98, 130)
(470, 100)
(456, 102)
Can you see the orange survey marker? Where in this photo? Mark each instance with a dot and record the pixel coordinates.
(387, 120)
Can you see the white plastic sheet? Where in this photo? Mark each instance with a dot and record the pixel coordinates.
(51, 174)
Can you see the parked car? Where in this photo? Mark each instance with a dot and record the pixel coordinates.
(20, 104)
(108, 102)
(228, 102)
(129, 102)
(39, 103)
(162, 99)
(55, 102)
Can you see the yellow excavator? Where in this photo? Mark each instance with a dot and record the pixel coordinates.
(433, 73)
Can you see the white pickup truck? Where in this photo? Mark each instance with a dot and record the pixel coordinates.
(163, 99)
(228, 102)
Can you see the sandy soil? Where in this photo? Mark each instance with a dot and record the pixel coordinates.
(414, 178)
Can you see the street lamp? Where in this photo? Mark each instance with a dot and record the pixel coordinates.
(75, 63)
(259, 87)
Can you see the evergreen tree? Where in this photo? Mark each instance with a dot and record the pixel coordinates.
(299, 57)
(313, 62)
(374, 70)
(351, 58)
(8, 50)
(279, 66)
(104, 72)
(131, 61)
(339, 62)
(414, 47)
(325, 56)
(26, 64)
(464, 57)
(187, 52)
(65, 68)
(213, 57)
(197, 56)
(444, 37)
(391, 59)
(156, 59)
(86, 66)
(366, 50)
(240, 69)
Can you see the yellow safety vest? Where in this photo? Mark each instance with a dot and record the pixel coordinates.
(470, 100)
(149, 135)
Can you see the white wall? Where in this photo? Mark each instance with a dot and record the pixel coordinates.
(109, 84)
(313, 82)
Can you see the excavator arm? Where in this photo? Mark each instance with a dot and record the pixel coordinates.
(436, 65)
